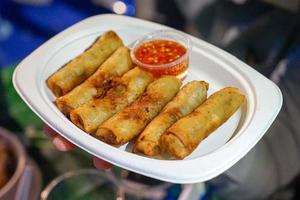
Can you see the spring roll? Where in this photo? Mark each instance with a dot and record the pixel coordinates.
(185, 135)
(99, 83)
(129, 122)
(80, 68)
(188, 98)
(92, 114)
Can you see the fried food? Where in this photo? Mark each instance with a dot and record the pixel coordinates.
(92, 114)
(185, 135)
(80, 68)
(129, 122)
(106, 97)
(186, 100)
(99, 83)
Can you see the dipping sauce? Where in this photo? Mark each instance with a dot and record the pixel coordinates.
(163, 57)
(159, 52)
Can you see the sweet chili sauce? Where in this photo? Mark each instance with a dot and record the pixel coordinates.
(161, 57)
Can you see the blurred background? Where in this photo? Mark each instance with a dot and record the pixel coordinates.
(263, 33)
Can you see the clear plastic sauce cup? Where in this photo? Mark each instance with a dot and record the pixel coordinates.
(164, 52)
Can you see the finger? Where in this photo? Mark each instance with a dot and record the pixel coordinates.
(101, 164)
(62, 144)
(49, 131)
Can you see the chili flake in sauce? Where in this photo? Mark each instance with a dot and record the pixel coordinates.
(160, 52)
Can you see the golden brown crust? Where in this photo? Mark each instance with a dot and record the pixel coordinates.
(186, 100)
(77, 70)
(129, 122)
(172, 144)
(195, 127)
(96, 111)
(96, 86)
(93, 92)
(108, 136)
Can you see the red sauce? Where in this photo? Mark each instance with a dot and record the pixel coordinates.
(158, 52)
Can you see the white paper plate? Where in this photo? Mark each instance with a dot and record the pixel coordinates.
(214, 155)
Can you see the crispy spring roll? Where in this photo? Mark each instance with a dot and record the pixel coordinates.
(92, 114)
(80, 68)
(99, 83)
(129, 122)
(184, 136)
(186, 100)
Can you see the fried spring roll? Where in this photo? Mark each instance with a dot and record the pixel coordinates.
(129, 122)
(185, 135)
(80, 68)
(92, 114)
(99, 83)
(186, 100)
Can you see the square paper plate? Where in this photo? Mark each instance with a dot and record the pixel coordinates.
(214, 155)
